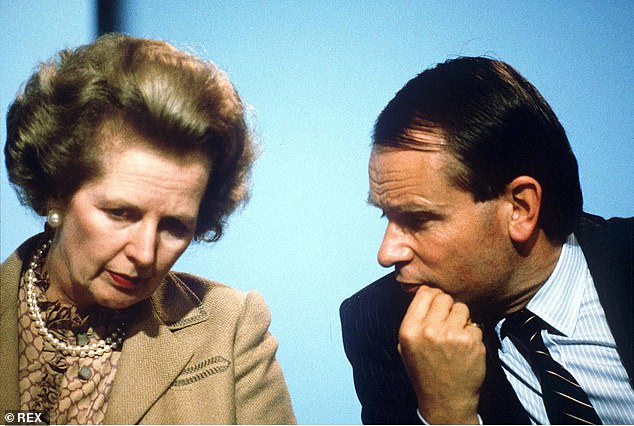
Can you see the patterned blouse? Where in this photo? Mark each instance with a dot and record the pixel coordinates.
(67, 389)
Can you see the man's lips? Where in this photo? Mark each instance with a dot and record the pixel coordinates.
(409, 287)
(123, 280)
(407, 284)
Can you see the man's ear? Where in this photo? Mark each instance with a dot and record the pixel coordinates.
(524, 194)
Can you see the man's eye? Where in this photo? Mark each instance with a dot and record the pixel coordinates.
(415, 222)
(118, 213)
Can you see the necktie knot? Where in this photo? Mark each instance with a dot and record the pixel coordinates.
(524, 326)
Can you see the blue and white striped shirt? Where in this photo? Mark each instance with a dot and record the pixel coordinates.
(568, 301)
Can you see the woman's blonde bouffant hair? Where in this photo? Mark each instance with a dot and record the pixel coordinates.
(182, 103)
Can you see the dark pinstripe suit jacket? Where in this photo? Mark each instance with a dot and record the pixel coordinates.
(371, 318)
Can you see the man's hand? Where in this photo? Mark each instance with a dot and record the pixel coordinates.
(444, 355)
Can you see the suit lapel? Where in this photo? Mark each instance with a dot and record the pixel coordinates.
(498, 402)
(609, 251)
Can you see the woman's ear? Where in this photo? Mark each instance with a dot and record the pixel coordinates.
(525, 196)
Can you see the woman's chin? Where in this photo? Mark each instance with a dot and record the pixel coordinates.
(117, 300)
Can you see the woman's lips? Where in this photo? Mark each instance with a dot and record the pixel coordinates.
(122, 280)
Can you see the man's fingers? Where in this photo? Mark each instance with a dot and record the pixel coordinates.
(419, 306)
(459, 316)
(439, 308)
(432, 305)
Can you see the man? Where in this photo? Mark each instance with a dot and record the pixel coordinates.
(481, 191)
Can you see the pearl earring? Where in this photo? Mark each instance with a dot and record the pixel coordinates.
(54, 218)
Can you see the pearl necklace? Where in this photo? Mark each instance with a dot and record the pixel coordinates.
(89, 350)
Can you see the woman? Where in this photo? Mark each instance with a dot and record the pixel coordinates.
(131, 149)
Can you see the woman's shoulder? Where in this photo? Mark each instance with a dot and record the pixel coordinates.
(204, 288)
(214, 312)
(20, 254)
(12, 266)
(183, 292)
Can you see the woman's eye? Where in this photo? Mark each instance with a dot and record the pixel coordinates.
(176, 227)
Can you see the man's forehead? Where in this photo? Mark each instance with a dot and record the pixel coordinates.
(418, 138)
(390, 159)
(408, 180)
(391, 156)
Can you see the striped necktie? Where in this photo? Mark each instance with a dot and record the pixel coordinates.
(564, 399)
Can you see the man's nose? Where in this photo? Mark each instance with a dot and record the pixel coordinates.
(394, 247)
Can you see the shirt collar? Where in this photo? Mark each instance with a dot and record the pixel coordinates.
(558, 301)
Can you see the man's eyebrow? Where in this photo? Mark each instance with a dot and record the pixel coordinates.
(406, 209)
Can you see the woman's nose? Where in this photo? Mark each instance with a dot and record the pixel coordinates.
(141, 248)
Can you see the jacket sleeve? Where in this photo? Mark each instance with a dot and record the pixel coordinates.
(261, 393)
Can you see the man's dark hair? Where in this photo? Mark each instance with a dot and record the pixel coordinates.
(498, 127)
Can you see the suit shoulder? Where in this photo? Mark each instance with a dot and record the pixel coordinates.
(383, 301)
(621, 228)
(613, 238)
(372, 292)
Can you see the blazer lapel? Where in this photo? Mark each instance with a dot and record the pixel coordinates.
(153, 355)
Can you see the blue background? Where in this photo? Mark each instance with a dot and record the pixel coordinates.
(316, 74)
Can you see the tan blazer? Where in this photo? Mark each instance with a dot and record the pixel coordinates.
(199, 353)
